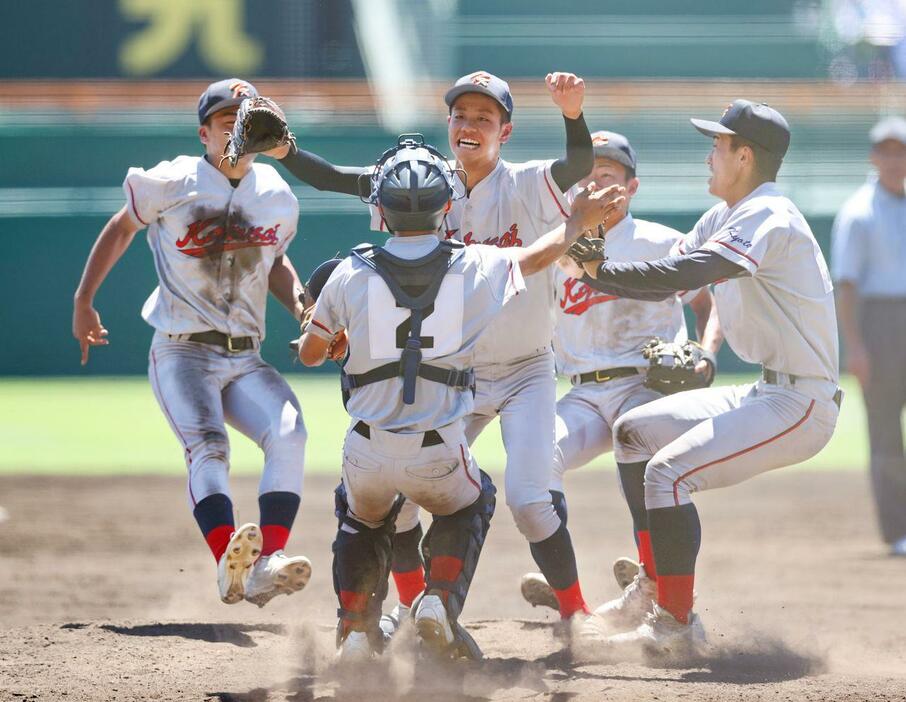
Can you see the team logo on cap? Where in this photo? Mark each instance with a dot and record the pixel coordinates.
(481, 78)
(726, 110)
(599, 140)
(241, 89)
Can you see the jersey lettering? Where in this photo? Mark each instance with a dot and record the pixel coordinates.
(389, 324)
(578, 297)
(509, 238)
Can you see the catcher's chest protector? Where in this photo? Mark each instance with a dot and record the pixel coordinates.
(414, 285)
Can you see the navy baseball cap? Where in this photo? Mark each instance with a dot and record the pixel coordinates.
(615, 147)
(486, 84)
(320, 275)
(888, 128)
(757, 122)
(223, 94)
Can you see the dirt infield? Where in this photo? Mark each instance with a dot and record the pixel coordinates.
(109, 594)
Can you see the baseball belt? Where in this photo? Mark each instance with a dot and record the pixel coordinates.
(772, 377)
(230, 343)
(602, 376)
(431, 437)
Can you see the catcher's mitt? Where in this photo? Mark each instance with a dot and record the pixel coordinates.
(260, 126)
(672, 366)
(586, 249)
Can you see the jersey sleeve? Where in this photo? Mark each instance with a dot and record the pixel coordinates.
(848, 247)
(747, 237)
(330, 316)
(695, 238)
(501, 271)
(148, 193)
(540, 193)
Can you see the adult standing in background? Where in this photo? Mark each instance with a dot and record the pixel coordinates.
(869, 257)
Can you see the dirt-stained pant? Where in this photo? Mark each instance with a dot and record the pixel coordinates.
(441, 478)
(202, 387)
(716, 437)
(884, 331)
(585, 419)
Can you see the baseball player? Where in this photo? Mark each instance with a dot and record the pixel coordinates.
(869, 256)
(598, 345)
(775, 299)
(511, 205)
(413, 311)
(219, 236)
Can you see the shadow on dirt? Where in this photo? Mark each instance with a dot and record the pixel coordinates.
(236, 634)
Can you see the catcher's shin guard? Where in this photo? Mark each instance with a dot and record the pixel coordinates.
(361, 566)
(453, 544)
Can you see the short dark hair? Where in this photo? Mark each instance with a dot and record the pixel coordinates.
(766, 164)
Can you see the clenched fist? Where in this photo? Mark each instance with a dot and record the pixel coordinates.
(567, 91)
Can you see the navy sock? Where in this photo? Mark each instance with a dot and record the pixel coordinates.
(632, 478)
(214, 515)
(278, 512)
(676, 536)
(556, 559)
(407, 555)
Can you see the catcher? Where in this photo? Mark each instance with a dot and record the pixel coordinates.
(620, 354)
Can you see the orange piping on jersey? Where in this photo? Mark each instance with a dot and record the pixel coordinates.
(739, 453)
(737, 251)
(554, 195)
(321, 326)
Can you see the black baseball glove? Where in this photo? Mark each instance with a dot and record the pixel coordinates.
(260, 126)
(586, 248)
(672, 366)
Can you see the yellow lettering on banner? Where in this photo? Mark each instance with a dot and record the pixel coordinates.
(172, 24)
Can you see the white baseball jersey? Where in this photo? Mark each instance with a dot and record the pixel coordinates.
(357, 299)
(213, 244)
(596, 330)
(514, 205)
(782, 314)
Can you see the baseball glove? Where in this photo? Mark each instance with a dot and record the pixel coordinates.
(260, 126)
(586, 249)
(672, 366)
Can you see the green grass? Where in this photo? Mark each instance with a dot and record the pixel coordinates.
(113, 425)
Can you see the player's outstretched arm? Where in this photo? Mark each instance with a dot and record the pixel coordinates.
(319, 173)
(568, 93)
(111, 244)
(590, 208)
(658, 280)
(284, 284)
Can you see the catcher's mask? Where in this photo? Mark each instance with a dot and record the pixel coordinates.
(411, 184)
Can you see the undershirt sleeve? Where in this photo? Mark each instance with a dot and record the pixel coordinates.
(580, 155)
(323, 175)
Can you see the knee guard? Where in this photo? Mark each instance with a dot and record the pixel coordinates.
(453, 544)
(361, 566)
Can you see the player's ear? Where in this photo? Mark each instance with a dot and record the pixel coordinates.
(203, 134)
(632, 187)
(506, 132)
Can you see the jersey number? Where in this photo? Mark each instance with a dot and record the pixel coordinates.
(389, 324)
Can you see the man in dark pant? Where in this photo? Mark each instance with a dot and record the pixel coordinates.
(869, 254)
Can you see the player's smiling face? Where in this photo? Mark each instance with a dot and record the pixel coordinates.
(476, 129)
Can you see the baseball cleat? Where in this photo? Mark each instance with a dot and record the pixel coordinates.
(629, 609)
(537, 592)
(236, 562)
(391, 623)
(276, 574)
(432, 624)
(624, 571)
(355, 648)
(661, 636)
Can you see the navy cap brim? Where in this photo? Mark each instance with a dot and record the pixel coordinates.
(611, 153)
(458, 90)
(709, 128)
(222, 105)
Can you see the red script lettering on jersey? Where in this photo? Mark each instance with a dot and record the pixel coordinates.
(578, 297)
(509, 238)
(207, 236)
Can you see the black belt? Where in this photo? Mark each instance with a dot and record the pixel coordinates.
(771, 377)
(602, 376)
(446, 376)
(230, 343)
(431, 437)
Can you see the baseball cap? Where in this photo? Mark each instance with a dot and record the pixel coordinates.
(888, 128)
(615, 147)
(222, 94)
(319, 276)
(484, 83)
(756, 122)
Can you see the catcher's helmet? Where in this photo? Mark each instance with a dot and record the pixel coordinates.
(412, 184)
